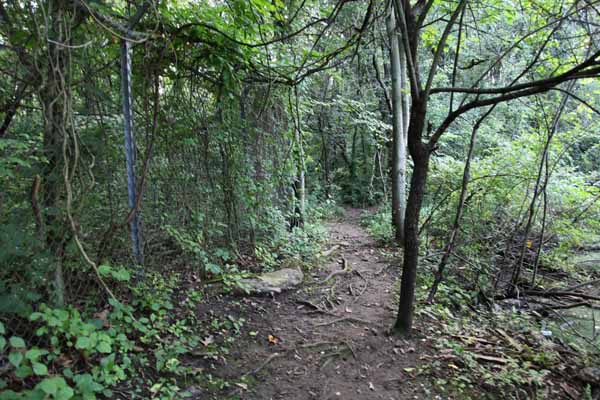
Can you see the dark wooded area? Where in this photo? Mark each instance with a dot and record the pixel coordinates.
(165, 162)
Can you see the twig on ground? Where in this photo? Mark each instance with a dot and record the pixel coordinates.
(308, 303)
(351, 350)
(333, 274)
(329, 252)
(315, 344)
(264, 364)
(562, 294)
(343, 319)
(382, 270)
(364, 289)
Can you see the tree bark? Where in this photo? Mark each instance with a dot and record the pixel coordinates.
(398, 130)
(420, 155)
(53, 98)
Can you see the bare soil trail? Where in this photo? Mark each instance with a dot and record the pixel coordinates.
(327, 340)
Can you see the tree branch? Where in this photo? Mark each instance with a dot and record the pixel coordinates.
(440, 47)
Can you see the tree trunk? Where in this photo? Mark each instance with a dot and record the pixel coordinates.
(420, 155)
(299, 180)
(53, 98)
(398, 128)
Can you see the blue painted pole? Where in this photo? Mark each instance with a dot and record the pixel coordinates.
(130, 146)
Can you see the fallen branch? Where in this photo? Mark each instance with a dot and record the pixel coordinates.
(472, 339)
(567, 306)
(483, 357)
(579, 286)
(562, 294)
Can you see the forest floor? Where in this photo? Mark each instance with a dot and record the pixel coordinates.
(327, 339)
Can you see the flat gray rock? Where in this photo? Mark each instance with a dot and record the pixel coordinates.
(273, 282)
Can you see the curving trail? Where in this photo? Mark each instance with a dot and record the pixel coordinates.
(329, 338)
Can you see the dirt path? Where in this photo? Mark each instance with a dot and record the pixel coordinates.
(328, 338)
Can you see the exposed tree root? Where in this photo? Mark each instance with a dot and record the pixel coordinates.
(344, 319)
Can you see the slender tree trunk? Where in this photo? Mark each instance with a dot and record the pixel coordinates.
(398, 128)
(353, 180)
(420, 155)
(325, 139)
(439, 276)
(300, 178)
(536, 191)
(538, 252)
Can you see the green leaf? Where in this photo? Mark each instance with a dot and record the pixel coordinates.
(15, 358)
(23, 371)
(49, 385)
(35, 353)
(35, 316)
(17, 343)
(65, 393)
(2, 330)
(104, 347)
(10, 395)
(2, 343)
(62, 315)
(121, 275)
(40, 369)
(54, 387)
(87, 385)
(104, 270)
(83, 343)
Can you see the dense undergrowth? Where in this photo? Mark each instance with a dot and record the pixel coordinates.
(137, 345)
(148, 148)
(489, 341)
(498, 352)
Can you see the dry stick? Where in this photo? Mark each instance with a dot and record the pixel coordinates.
(343, 319)
(538, 252)
(578, 286)
(567, 306)
(344, 271)
(364, 289)
(329, 252)
(562, 294)
(316, 344)
(385, 267)
(264, 364)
